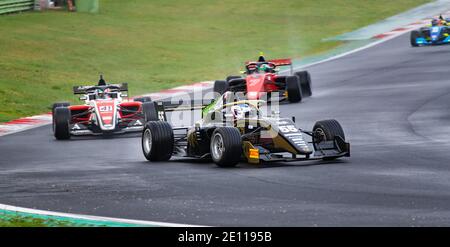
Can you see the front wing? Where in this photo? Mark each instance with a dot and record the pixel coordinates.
(322, 151)
(426, 42)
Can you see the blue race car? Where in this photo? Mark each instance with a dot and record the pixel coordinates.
(438, 33)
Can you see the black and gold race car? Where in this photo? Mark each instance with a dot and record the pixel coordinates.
(233, 130)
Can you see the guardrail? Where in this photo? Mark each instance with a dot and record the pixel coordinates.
(11, 6)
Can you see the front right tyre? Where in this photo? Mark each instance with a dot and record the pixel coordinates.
(220, 87)
(226, 146)
(61, 123)
(58, 104)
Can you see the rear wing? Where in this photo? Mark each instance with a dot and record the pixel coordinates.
(281, 62)
(123, 87)
(276, 62)
(183, 105)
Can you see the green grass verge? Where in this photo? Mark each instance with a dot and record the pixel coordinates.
(160, 44)
(21, 219)
(15, 220)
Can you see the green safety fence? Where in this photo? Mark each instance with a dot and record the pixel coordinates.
(11, 6)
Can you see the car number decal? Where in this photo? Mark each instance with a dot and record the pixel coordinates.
(288, 128)
(104, 108)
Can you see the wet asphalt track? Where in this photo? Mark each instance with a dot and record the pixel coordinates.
(392, 100)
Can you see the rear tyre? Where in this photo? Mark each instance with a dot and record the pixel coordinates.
(143, 99)
(157, 141)
(413, 37)
(220, 87)
(61, 123)
(149, 111)
(293, 89)
(226, 146)
(305, 82)
(327, 130)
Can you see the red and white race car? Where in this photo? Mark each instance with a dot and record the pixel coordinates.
(105, 111)
(262, 79)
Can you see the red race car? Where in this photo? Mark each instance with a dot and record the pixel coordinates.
(262, 78)
(104, 112)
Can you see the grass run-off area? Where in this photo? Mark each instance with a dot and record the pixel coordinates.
(16, 220)
(160, 44)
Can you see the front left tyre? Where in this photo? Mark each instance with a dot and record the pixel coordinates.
(61, 123)
(157, 141)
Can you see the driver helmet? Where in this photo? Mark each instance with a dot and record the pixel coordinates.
(100, 94)
(240, 111)
(434, 22)
(107, 92)
(265, 68)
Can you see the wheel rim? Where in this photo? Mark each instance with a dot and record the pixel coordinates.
(320, 135)
(217, 146)
(147, 141)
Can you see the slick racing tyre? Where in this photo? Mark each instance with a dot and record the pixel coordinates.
(143, 99)
(414, 35)
(220, 87)
(157, 141)
(326, 130)
(149, 111)
(237, 85)
(293, 89)
(63, 104)
(231, 77)
(305, 82)
(61, 123)
(226, 146)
